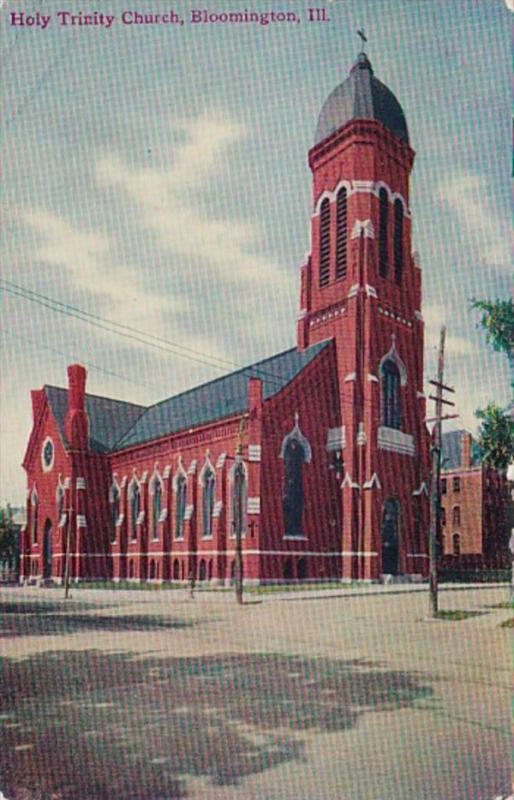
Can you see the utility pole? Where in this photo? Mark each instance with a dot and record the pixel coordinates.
(435, 489)
(67, 555)
(240, 515)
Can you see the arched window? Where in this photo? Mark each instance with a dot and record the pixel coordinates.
(391, 401)
(238, 499)
(202, 570)
(135, 504)
(442, 515)
(398, 241)
(208, 498)
(301, 568)
(180, 504)
(383, 243)
(456, 544)
(131, 568)
(209, 570)
(156, 505)
(114, 500)
(456, 516)
(324, 243)
(176, 570)
(293, 494)
(34, 502)
(342, 233)
(152, 569)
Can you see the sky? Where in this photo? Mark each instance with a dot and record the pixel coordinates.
(156, 177)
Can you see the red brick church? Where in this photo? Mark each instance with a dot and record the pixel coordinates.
(334, 471)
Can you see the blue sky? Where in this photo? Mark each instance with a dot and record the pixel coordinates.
(157, 176)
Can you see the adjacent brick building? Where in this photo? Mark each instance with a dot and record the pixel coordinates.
(335, 466)
(474, 502)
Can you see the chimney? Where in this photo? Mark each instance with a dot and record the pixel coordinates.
(76, 422)
(465, 450)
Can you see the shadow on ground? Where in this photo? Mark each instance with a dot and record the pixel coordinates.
(116, 726)
(51, 619)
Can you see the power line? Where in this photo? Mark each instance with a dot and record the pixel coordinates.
(101, 322)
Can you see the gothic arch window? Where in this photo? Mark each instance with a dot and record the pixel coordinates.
(156, 493)
(456, 516)
(238, 498)
(114, 501)
(180, 491)
(208, 483)
(324, 242)
(342, 233)
(295, 451)
(34, 503)
(391, 401)
(135, 506)
(383, 241)
(398, 241)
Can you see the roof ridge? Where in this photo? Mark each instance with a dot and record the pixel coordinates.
(97, 396)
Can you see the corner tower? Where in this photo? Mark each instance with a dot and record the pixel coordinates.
(361, 285)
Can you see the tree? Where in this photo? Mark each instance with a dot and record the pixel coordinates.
(9, 543)
(496, 434)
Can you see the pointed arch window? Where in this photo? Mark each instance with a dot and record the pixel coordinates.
(208, 499)
(391, 400)
(342, 233)
(324, 243)
(114, 500)
(295, 451)
(398, 241)
(456, 516)
(156, 495)
(383, 243)
(135, 506)
(34, 502)
(238, 499)
(180, 504)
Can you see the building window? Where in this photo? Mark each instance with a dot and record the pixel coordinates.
(156, 505)
(238, 499)
(342, 234)
(391, 401)
(456, 544)
(383, 244)
(442, 514)
(398, 241)
(208, 497)
(202, 570)
(324, 243)
(456, 484)
(114, 500)
(456, 516)
(176, 570)
(294, 457)
(180, 504)
(34, 502)
(135, 503)
(444, 486)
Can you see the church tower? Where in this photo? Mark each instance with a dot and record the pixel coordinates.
(361, 286)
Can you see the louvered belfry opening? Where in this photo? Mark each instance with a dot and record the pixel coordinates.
(324, 243)
(398, 241)
(342, 233)
(383, 259)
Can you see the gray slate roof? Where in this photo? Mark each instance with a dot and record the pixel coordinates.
(361, 96)
(108, 419)
(452, 448)
(114, 424)
(222, 397)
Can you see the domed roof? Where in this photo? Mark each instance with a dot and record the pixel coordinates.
(361, 96)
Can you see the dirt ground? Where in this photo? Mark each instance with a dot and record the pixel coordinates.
(119, 695)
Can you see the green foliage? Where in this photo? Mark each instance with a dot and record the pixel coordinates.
(498, 322)
(8, 536)
(496, 437)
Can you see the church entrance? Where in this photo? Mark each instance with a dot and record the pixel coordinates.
(390, 524)
(47, 550)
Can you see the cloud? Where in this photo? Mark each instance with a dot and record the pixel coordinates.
(436, 316)
(87, 258)
(510, 4)
(487, 231)
(166, 202)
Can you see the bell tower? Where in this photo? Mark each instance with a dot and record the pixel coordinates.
(361, 286)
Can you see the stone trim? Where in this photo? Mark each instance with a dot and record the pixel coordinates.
(336, 439)
(81, 521)
(396, 441)
(254, 505)
(81, 483)
(254, 452)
